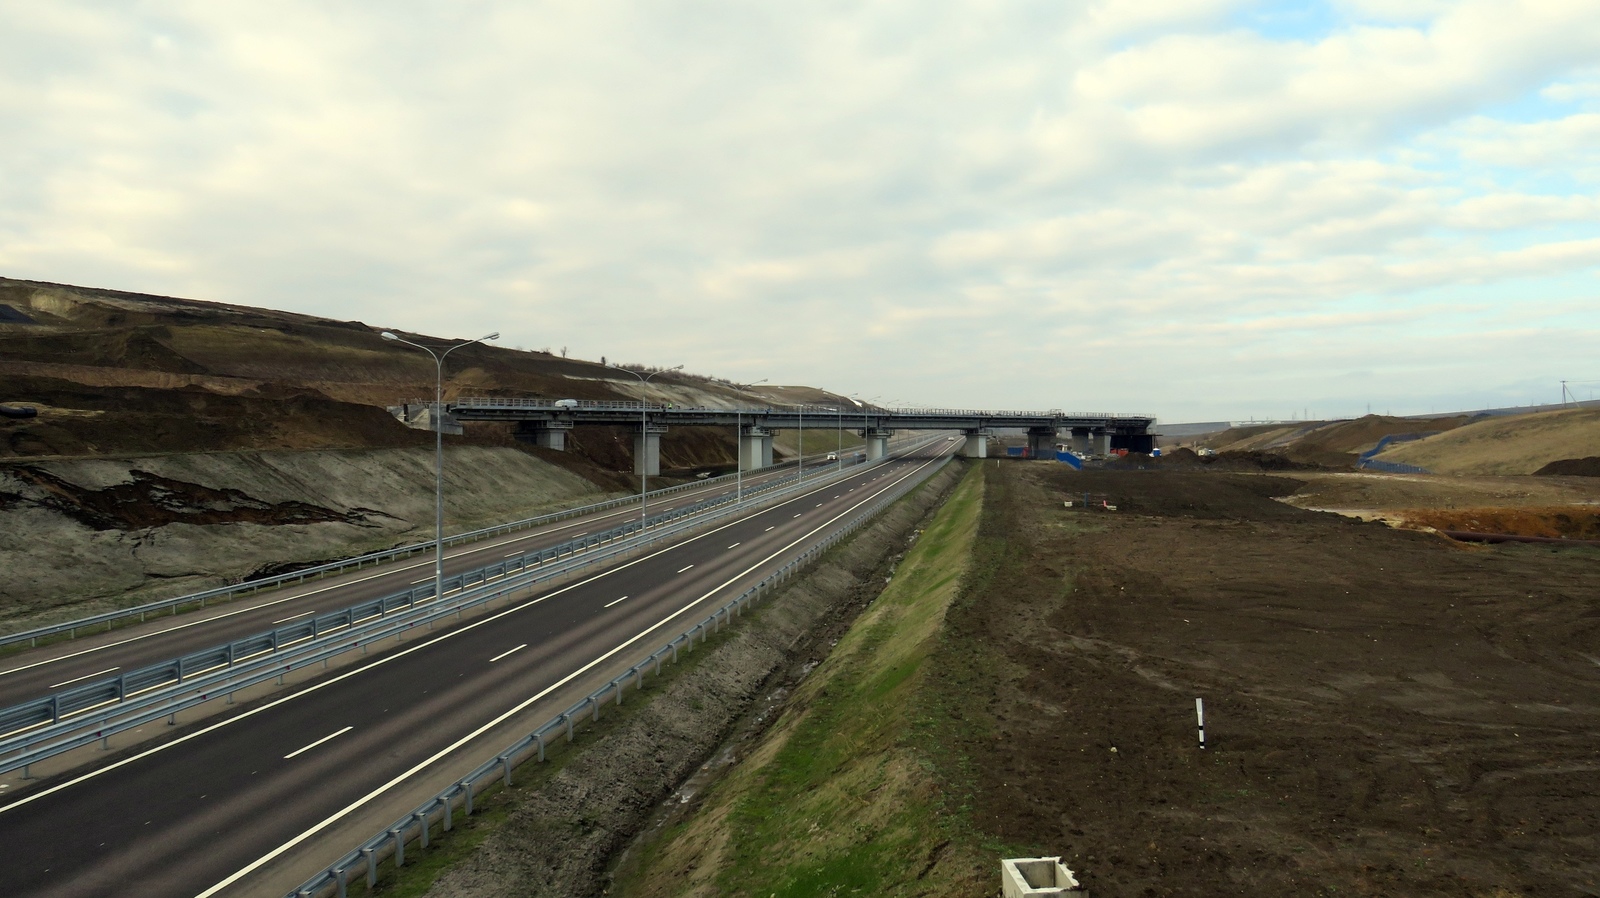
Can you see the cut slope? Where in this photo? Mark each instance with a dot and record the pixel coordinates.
(1518, 444)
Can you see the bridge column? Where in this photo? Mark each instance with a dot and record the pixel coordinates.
(1102, 442)
(877, 442)
(755, 448)
(647, 450)
(1042, 442)
(546, 434)
(977, 444)
(1080, 441)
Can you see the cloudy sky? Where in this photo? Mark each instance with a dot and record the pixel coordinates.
(1201, 209)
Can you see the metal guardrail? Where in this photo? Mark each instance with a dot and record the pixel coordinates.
(392, 840)
(225, 593)
(46, 727)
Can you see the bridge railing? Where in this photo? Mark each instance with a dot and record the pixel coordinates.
(489, 402)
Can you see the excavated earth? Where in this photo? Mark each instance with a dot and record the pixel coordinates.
(1387, 712)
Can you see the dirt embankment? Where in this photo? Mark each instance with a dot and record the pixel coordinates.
(1387, 713)
(1518, 444)
(561, 832)
(1572, 467)
(93, 534)
(1332, 444)
(114, 373)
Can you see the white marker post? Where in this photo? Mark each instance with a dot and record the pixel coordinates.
(1200, 721)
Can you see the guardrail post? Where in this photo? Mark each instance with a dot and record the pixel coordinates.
(539, 740)
(422, 820)
(399, 834)
(505, 761)
(568, 719)
(339, 879)
(466, 789)
(447, 812)
(372, 867)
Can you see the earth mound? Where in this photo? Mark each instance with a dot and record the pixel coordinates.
(1573, 467)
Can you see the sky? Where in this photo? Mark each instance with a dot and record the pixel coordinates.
(1197, 209)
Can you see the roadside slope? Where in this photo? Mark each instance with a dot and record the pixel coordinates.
(93, 534)
(838, 798)
(1518, 444)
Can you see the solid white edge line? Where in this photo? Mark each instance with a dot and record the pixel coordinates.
(377, 662)
(504, 654)
(334, 818)
(541, 532)
(301, 751)
(84, 677)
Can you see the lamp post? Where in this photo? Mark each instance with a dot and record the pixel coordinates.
(644, 439)
(800, 444)
(838, 454)
(437, 416)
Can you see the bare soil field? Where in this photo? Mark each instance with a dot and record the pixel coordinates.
(1377, 493)
(1388, 713)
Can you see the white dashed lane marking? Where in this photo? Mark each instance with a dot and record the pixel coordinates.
(301, 751)
(511, 652)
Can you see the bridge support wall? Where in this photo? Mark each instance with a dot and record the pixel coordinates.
(647, 451)
(877, 442)
(755, 448)
(977, 445)
(545, 434)
(1042, 443)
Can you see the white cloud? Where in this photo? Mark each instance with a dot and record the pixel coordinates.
(900, 198)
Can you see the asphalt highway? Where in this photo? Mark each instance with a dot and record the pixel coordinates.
(39, 672)
(255, 800)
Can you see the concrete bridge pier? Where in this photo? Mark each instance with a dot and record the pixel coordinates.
(977, 445)
(755, 448)
(877, 442)
(1102, 442)
(1041, 442)
(546, 434)
(1079, 441)
(647, 450)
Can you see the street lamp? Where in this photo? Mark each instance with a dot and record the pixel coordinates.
(644, 439)
(437, 421)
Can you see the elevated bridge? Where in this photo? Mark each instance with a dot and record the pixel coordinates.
(546, 422)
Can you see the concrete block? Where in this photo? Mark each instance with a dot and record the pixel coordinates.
(1023, 877)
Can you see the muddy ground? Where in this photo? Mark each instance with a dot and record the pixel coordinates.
(1388, 713)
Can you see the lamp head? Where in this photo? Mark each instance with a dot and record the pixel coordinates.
(389, 335)
(493, 336)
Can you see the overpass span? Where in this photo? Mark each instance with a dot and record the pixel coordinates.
(546, 422)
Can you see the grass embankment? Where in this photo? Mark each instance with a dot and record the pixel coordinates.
(1518, 444)
(840, 797)
(787, 442)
